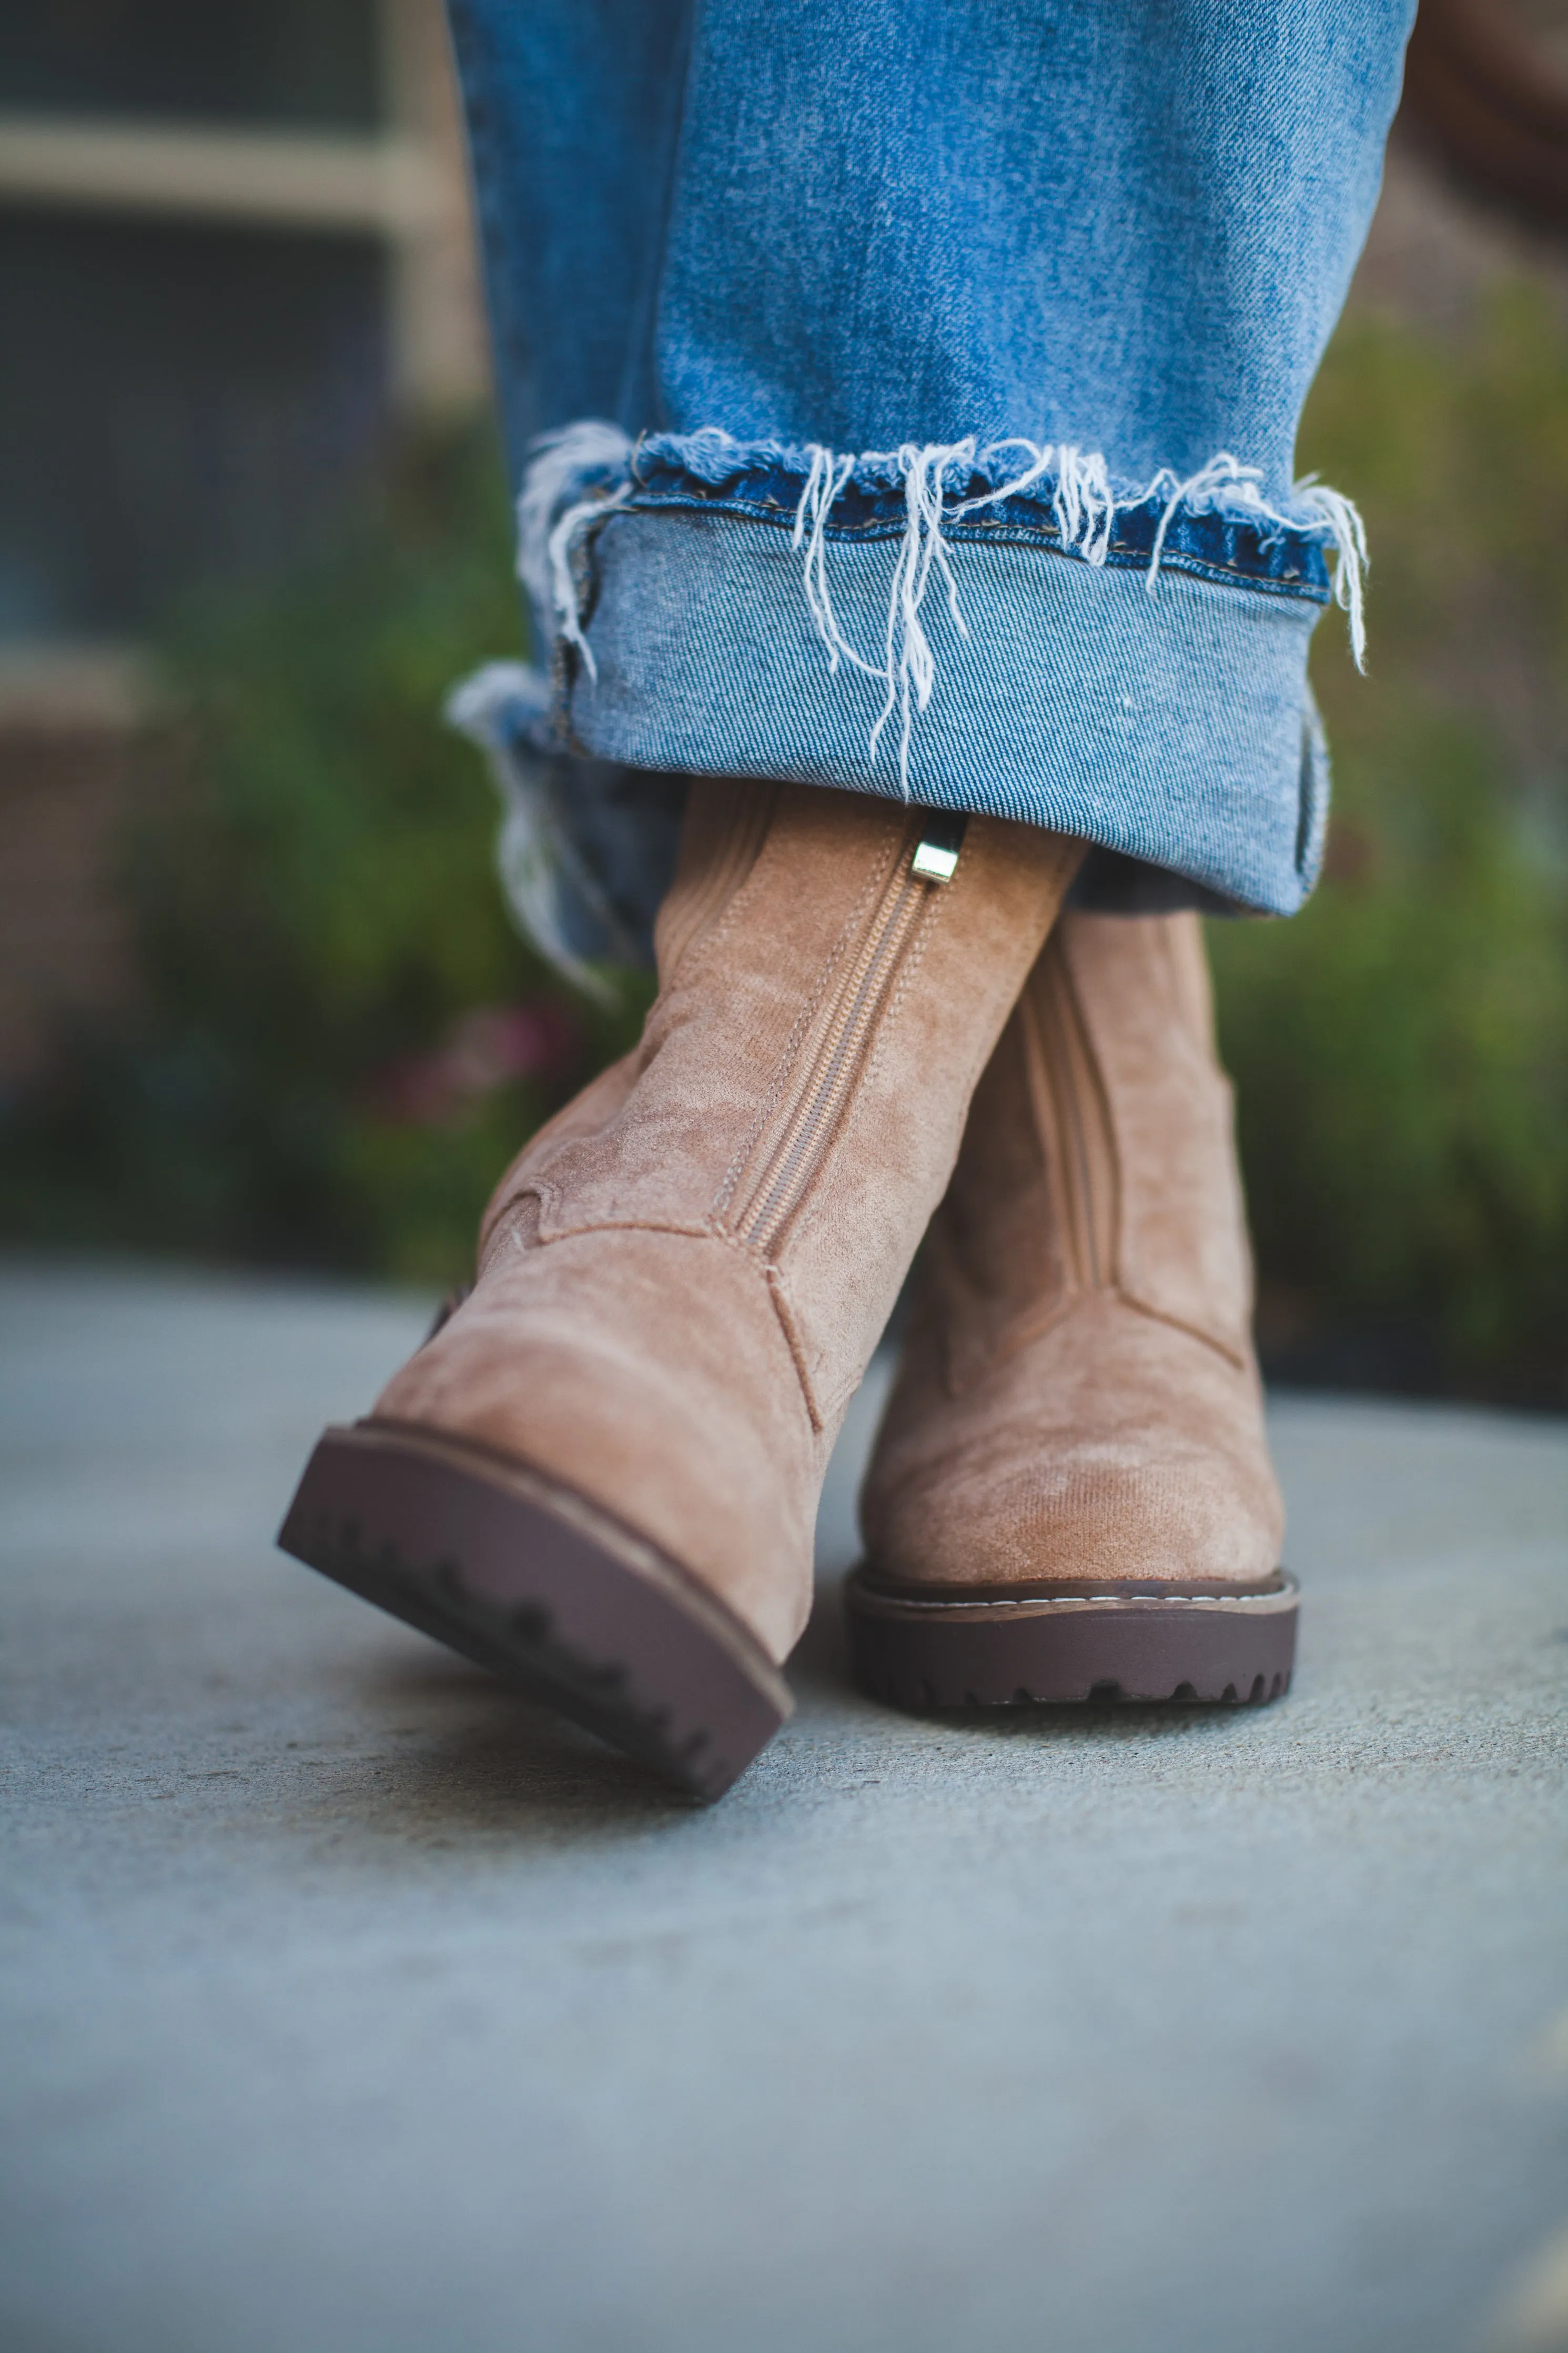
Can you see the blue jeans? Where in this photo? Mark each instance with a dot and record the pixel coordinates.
(902, 396)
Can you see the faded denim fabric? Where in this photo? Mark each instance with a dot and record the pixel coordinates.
(923, 378)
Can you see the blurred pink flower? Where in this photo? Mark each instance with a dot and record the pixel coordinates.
(488, 1047)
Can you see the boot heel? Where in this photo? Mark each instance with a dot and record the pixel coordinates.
(532, 1581)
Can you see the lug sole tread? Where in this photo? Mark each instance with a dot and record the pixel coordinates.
(1152, 1651)
(530, 1580)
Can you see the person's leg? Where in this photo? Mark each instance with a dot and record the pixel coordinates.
(1071, 1490)
(963, 347)
(833, 279)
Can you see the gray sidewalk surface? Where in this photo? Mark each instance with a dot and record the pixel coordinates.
(350, 2005)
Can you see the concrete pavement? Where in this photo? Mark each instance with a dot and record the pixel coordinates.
(350, 2006)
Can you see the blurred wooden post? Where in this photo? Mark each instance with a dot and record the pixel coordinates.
(81, 743)
(437, 334)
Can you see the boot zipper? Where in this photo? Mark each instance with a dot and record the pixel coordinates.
(862, 995)
(1083, 1161)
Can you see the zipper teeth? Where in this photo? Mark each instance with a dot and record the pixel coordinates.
(1089, 1239)
(807, 1136)
(1097, 1130)
(1072, 1152)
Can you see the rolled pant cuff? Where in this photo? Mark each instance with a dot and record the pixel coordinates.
(1174, 727)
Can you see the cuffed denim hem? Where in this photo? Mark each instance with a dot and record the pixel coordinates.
(1171, 727)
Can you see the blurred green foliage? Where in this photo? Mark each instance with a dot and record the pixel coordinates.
(1401, 1048)
(316, 905)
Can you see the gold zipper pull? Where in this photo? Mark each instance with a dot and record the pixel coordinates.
(942, 838)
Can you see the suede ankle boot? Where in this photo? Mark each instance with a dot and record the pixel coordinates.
(1071, 1495)
(600, 1475)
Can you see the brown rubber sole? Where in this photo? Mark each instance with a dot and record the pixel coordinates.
(534, 1581)
(1143, 1644)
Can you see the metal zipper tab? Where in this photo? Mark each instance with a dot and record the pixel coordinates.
(942, 838)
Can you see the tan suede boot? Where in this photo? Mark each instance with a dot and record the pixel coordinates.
(1071, 1492)
(600, 1476)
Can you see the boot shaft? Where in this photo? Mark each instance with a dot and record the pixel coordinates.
(825, 1004)
(1077, 1411)
(1100, 1154)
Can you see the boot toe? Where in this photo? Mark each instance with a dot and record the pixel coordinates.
(689, 1426)
(1112, 1447)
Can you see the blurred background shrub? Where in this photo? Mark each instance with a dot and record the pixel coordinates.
(339, 1038)
(300, 1028)
(1401, 1048)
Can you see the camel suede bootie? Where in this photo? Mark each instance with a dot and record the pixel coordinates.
(1071, 1493)
(600, 1476)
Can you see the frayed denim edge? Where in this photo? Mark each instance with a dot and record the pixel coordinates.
(504, 708)
(583, 473)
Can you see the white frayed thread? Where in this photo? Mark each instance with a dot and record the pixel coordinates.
(494, 709)
(824, 479)
(557, 505)
(1082, 504)
(583, 473)
(1341, 518)
(908, 668)
(1238, 485)
(1224, 477)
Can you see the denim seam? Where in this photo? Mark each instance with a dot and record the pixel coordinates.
(1043, 535)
